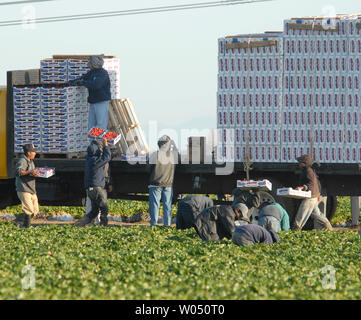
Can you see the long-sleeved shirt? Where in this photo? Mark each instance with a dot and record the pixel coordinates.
(94, 166)
(257, 234)
(98, 84)
(189, 208)
(215, 223)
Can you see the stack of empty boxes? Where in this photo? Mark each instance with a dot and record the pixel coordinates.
(309, 102)
(61, 120)
(249, 97)
(27, 122)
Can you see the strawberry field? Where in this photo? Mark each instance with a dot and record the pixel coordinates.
(67, 262)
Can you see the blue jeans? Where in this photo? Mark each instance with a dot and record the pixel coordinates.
(155, 195)
(270, 223)
(98, 115)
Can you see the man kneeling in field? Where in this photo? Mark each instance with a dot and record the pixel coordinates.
(216, 223)
(189, 208)
(252, 234)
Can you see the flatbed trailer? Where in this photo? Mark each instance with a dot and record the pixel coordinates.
(130, 181)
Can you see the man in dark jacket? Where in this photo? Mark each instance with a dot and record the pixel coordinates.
(218, 222)
(98, 84)
(163, 163)
(309, 182)
(250, 198)
(94, 181)
(252, 234)
(108, 187)
(189, 208)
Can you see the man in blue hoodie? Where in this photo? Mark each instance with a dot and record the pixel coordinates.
(94, 180)
(251, 234)
(98, 84)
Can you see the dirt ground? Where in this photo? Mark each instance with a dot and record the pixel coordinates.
(43, 222)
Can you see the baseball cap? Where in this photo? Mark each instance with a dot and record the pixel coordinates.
(29, 148)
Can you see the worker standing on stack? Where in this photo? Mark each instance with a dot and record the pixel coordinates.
(94, 180)
(25, 186)
(98, 84)
(309, 182)
(163, 163)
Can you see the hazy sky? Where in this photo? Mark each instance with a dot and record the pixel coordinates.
(168, 61)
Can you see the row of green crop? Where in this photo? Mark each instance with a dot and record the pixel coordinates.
(165, 263)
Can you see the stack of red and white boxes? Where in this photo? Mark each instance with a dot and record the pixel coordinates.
(61, 118)
(27, 122)
(318, 94)
(249, 98)
(53, 71)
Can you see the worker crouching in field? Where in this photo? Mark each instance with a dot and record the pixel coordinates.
(98, 84)
(309, 182)
(218, 222)
(250, 198)
(25, 186)
(273, 217)
(189, 208)
(252, 234)
(163, 164)
(95, 182)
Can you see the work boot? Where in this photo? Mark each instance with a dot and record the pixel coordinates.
(19, 219)
(82, 222)
(26, 222)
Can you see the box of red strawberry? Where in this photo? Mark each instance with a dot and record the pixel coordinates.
(112, 137)
(96, 132)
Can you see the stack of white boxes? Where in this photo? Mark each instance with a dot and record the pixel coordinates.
(53, 71)
(249, 98)
(61, 119)
(27, 122)
(320, 101)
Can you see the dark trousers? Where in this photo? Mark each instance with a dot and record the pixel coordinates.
(98, 198)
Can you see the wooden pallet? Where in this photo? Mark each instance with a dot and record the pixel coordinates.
(253, 44)
(122, 119)
(311, 27)
(77, 56)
